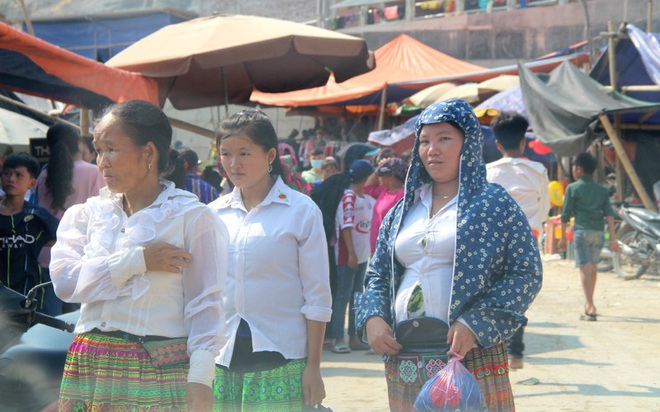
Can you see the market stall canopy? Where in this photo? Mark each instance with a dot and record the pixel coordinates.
(403, 59)
(35, 67)
(637, 60)
(16, 129)
(564, 110)
(220, 59)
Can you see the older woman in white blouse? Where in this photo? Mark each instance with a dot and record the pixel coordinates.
(148, 263)
(277, 298)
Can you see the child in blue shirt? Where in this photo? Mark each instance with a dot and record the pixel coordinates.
(25, 228)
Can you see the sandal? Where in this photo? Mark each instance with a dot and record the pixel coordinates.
(588, 317)
(341, 348)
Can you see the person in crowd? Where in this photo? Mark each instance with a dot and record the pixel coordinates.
(316, 141)
(316, 162)
(194, 182)
(177, 173)
(589, 203)
(329, 167)
(148, 263)
(67, 180)
(212, 177)
(456, 256)
(88, 151)
(527, 182)
(25, 228)
(277, 299)
(391, 175)
(352, 250)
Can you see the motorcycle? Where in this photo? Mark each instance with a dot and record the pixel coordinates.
(639, 243)
(33, 348)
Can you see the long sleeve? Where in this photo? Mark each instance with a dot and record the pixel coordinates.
(79, 277)
(314, 269)
(207, 240)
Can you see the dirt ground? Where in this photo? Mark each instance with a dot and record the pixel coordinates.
(570, 365)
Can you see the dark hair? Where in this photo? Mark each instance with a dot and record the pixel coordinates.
(63, 141)
(189, 158)
(258, 127)
(213, 178)
(177, 173)
(318, 151)
(145, 122)
(587, 162)
(509, 128)
(89, 142)
(26, 160)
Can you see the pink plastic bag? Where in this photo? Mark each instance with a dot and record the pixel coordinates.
(453, 389)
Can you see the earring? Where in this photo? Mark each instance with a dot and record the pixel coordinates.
(270, 168)
(149, 165)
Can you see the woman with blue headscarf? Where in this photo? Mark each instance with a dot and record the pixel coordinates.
(455, 268)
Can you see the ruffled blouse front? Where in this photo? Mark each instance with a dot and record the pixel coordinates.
(98, 261)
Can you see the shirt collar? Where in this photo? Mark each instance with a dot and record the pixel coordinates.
(279, 193)
(169, 191)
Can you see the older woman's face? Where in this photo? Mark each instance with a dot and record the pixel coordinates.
(123, 164)
(440, 146)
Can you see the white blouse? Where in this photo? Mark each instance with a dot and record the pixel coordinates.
(98, 261)
(278, 276)
(425, 247)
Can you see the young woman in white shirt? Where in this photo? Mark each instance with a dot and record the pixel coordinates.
(147, 262)
(277, 298)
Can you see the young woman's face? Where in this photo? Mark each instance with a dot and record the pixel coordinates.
(123, 164)
(245, 162)
(440, 146)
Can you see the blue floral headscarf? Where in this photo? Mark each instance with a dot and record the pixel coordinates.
(497, 268)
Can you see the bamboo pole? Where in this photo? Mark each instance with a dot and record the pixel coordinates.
(191, 128)
(614, 84)
(621, 155)
(381, 114)
(33, 110)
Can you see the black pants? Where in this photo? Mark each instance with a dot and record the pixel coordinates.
(515, 346)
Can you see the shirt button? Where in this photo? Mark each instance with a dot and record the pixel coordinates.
(103, 324)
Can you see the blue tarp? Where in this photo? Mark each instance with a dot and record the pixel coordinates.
(101, 37)
(637, 63)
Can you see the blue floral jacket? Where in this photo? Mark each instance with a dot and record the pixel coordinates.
(497, 268)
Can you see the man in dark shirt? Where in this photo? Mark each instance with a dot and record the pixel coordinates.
(589, 203)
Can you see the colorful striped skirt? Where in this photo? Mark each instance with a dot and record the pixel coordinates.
(274, 390)
(104, 373)
(406, 373)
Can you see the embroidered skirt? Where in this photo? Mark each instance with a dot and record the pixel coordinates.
(104, 373)
(406, 373)
(274, 390)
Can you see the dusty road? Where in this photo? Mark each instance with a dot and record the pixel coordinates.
(571, 365)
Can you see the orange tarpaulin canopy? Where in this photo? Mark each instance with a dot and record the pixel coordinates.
(33, 66)
(403, 59)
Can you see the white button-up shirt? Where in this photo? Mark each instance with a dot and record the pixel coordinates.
(98, 261)
(278, 274)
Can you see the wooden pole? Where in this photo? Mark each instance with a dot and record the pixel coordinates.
(33, 110)
(621, 155)
(192, 128)
(381, 114)
(614, 83)
(649, 17)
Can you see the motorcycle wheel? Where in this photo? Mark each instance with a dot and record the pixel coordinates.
(628, 267)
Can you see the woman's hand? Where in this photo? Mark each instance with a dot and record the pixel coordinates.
(460, 338)
(163, 257)
(200, 397)
(312, 385)
(380, 337)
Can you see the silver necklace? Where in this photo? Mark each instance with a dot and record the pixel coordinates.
(441, 196)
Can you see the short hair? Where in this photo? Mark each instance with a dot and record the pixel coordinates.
(509, 128)
(26, 160)
(329, 162)
(318, 152)
(587, 162)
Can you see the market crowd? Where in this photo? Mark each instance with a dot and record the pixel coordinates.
(220, 289)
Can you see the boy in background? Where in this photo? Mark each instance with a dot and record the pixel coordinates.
(589, 203)
(527, 183)
(25, 228)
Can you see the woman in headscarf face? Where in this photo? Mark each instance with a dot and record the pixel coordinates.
(457, 249)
